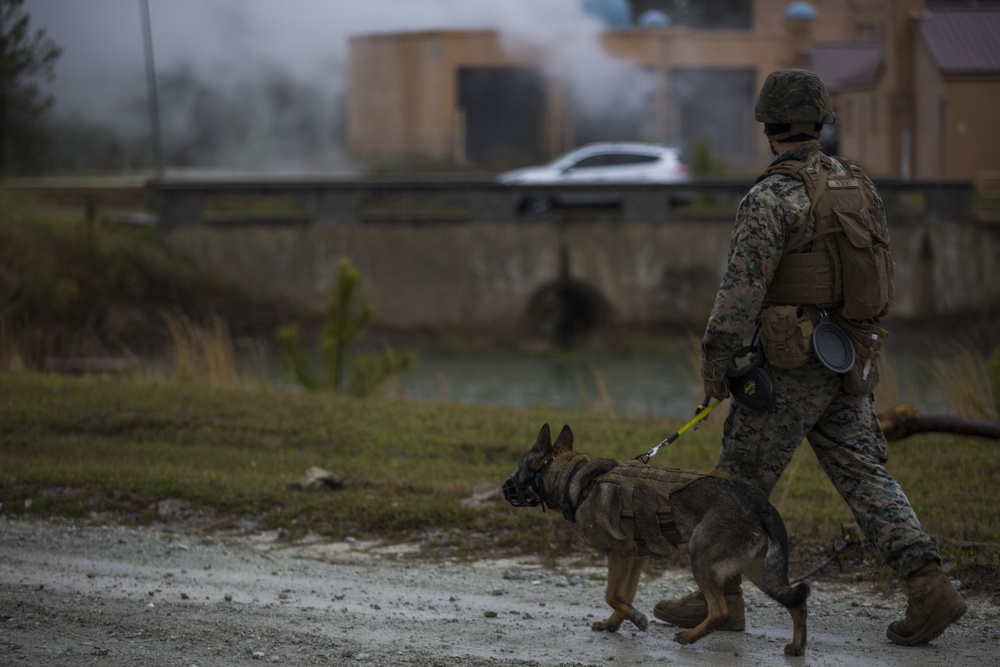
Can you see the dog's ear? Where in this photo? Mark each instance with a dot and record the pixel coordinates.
(544, 439)
(564, 443)
(541, 450)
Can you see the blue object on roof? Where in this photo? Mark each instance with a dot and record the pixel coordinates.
(653, 18)
(801, 11)
(613, 13)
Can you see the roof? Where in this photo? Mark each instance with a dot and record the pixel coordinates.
(963, 40)
(842, 63)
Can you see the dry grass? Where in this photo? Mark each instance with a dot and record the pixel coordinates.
(963, 378)
(206, 353)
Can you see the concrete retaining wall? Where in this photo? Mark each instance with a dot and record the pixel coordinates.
(487, 274)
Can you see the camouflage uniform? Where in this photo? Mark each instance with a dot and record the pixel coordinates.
(809, 401)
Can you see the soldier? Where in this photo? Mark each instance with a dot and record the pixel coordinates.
(787, 275)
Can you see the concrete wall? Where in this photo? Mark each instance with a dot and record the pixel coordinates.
(488, 273)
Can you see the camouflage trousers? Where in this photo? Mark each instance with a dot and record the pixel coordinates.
(850, 446)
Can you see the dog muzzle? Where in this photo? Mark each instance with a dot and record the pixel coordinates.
(514, 494)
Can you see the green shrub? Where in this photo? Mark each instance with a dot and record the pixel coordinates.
(346, 322)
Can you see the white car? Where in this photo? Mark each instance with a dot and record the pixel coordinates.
(598, 164)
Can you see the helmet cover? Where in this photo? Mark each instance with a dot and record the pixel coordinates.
(793, 96)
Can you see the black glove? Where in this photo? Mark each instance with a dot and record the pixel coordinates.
(717, 389)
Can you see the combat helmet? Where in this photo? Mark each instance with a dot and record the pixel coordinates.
(794, 97)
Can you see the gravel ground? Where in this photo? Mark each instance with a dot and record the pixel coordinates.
(109, 595)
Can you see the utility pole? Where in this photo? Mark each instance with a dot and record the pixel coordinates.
(154, 105)
(3, 94)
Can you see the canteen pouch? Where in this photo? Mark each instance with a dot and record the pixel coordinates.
(868, 338)
(786, 336)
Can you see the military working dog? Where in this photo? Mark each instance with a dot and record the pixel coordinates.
(630, 511)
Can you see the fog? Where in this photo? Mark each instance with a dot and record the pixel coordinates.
(260, 84)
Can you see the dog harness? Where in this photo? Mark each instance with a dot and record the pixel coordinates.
(649, 527)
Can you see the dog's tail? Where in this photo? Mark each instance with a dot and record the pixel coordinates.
(775, 574)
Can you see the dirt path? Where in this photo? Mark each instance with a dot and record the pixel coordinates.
(110, 596)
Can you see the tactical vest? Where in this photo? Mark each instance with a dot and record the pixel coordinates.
(848, 269)
(645, 524)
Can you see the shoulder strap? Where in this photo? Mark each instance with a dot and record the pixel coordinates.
(814, 181)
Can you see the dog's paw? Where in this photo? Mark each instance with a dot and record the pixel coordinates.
(684, 638)
(792, 649)
(606, 625)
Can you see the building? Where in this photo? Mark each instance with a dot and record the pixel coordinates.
(915, 84)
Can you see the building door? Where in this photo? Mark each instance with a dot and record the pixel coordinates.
(503, 109)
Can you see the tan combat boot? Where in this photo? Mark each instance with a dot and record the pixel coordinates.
(692, 609)
(933, 605)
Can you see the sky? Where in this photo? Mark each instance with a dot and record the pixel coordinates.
(229, 41)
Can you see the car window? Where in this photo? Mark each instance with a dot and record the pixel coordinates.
(600, 160)
(634, 158)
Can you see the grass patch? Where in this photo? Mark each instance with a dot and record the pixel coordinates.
(105, 449)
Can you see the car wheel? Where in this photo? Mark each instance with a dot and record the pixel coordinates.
(539, 206)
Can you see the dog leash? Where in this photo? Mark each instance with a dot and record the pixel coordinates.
(704, 410)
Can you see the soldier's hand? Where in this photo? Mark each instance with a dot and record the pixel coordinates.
(716, 388)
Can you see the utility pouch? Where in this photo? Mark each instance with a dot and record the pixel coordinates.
(866, 266)
(786, 336)
(749, 384)
(868, 338)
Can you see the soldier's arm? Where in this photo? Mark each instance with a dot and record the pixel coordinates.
(754, 253)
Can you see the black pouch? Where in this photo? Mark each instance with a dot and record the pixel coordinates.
(864, 375)
(749, 384)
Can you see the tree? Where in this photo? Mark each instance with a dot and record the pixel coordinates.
(347, 320)
(26, 56)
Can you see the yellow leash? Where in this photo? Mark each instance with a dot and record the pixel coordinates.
(704, 410)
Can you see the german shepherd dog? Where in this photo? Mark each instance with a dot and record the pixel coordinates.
(730, 528)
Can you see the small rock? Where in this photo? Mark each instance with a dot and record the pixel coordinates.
(170, 507)
(317, 479)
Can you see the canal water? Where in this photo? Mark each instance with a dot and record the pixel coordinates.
(662, 386)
